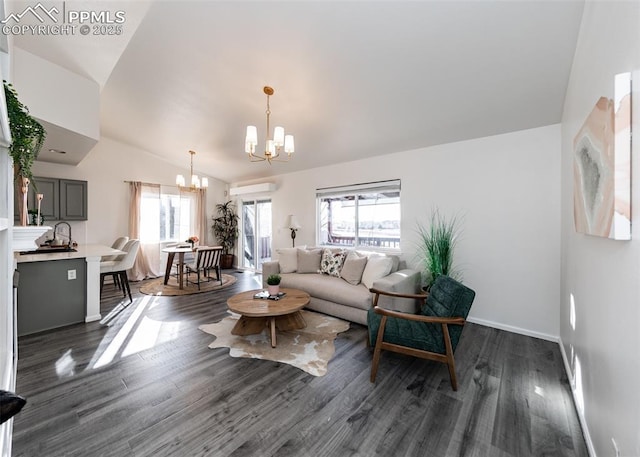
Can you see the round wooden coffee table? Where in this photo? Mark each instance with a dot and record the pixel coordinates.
(257, 313)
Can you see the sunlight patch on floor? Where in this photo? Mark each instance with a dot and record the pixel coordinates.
(65, 365)
(119, 340)
(137, 334)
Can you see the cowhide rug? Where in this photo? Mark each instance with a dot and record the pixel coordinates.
(309, 349)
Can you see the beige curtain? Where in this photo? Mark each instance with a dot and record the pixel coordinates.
(201, 227)
(147, 264)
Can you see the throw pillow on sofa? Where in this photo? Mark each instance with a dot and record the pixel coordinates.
(353, 268)
(309, 260)
(377, 267)
(331, 262)
(288, 260)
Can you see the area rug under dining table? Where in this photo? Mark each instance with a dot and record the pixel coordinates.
(310, 348)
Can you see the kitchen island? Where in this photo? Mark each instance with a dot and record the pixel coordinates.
(59, 288)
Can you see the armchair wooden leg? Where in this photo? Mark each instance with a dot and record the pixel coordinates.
(378, 349)
(451, 364)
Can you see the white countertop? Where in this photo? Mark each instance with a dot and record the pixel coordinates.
(83, 251)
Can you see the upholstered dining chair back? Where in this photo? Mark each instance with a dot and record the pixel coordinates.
(117, 244)
(131, 248)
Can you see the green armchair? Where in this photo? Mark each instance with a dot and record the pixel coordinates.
(433, 334)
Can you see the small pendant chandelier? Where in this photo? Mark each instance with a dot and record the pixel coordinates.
(273, 147)
(196, 183)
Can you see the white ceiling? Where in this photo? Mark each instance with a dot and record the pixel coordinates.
(352, 79)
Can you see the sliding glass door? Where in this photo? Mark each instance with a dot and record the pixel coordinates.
(256, 233)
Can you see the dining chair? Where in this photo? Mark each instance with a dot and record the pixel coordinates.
(117, 244)
(175, 266)
(120, 267)
(208, 258)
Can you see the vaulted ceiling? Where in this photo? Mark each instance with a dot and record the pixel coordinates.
(352, 79)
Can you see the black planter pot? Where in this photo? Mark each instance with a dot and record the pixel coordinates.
(226, 261)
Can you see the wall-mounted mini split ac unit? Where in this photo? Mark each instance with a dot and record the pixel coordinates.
(253, 189)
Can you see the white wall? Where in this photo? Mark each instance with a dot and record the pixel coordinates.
(601, 274)
(106, 167)
(67, 99)
(507, 190)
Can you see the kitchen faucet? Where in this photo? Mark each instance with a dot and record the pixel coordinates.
(55, 231)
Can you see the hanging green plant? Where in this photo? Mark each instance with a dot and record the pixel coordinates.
(27, 134)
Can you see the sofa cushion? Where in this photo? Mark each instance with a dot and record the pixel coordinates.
(377, 267)
(288, 260)
(353, 268)
(394, 258)
(331, 262)
(329, 288)
(309, 260)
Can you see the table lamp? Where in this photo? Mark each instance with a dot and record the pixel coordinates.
(293, 225)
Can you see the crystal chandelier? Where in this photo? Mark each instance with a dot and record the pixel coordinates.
(196, 183)
(273, 147)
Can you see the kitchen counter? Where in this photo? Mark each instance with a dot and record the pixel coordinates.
(82, 251)
(91, 253)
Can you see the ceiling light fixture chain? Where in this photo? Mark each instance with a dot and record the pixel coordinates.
(272, 147)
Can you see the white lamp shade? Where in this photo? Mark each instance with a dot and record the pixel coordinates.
(252, 135)
(205, 182)
(271, 147)
(180, 181)
(288, 144)
(293, 222)
(278, 136)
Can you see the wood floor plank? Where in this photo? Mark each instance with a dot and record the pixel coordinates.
(146, 384)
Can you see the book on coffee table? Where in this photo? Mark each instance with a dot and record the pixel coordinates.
(265, 295)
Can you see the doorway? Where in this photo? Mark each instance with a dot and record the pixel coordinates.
(256, 233)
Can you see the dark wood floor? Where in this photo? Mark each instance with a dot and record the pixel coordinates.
(147, 385)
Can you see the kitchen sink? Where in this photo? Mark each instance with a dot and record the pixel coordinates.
(50, 249)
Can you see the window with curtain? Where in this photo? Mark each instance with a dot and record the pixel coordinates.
(167, 216)
(360, 215)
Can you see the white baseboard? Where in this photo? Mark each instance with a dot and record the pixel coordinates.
(581, 418)
(92, 318)
(510, 328)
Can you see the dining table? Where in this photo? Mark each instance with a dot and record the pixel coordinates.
(171, 254)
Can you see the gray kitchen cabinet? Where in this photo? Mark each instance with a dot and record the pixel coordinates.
(73, 200)
(50, 189)
(47, 298)
(64, 199)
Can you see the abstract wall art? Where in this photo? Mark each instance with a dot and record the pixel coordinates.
(602, 166)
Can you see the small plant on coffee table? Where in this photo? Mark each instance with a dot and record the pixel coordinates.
(273, 281)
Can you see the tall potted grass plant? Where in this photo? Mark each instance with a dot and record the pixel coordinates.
(436, 244)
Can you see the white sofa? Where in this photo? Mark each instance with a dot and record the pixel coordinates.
(344, 293)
